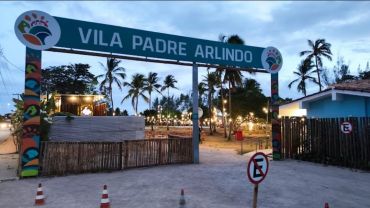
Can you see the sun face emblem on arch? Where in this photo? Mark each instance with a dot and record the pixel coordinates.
(271, 59)
(37, 30)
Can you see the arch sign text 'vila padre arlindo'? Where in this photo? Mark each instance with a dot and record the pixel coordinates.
(39, 31)
(69, 33)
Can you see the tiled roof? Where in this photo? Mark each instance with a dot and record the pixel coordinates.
(356, 85)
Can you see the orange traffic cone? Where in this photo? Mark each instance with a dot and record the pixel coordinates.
(104, 203)
(326, 205)
(182, 198)
(39, 200)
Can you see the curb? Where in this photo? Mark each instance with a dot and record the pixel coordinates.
(9, 179)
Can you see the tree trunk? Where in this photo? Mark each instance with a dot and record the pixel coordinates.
(210, 110)
(137, 101)
(214, 125)
(168, 109)
(230, 122)
(318, 73)
(223, 115)
(150, 101)
(150, 108)
(111, 97)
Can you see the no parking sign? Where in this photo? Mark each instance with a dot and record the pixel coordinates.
(346, 127)
(257, 169)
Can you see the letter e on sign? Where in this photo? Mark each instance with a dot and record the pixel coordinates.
(258, 167)
(346, 127)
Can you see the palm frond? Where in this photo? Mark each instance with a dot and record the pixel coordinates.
(327, 56)
(302, 53)
(292, 82)
(310, 43)
(118, 82)
(124, 98)
(99, 76)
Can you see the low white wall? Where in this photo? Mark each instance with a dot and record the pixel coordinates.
(99, 128)
(292, 109)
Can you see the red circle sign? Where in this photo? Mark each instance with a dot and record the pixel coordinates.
(346, 127)
(258, 167)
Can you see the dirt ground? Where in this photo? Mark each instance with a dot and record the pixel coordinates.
(7, 146)
(8, 157)
(250, 142)
(218, 181)
(8, 167)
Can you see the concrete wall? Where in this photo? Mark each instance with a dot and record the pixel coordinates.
(349, 105)
(100, 128)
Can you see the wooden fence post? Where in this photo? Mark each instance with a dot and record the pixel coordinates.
(78, 158)
(160, 152)
(126, 153)
(120, 156)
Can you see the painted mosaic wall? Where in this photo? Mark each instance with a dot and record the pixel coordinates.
(276, 127)
(31, 117)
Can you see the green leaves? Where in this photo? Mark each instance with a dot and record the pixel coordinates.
(319, 48)
(68, 79)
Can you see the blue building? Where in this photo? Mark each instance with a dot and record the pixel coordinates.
(349, 99)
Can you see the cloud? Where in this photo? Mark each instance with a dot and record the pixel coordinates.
(361, 50)
(285, 25)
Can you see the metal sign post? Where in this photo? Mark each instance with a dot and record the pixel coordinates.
(195, 115)
(255, 195)
(257, 169)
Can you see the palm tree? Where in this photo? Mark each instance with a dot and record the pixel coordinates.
(169, 82)
(317, 50)
(303, 73)
(211, 82)
(232, 77)
(202, 88)
(136, 90)
(220, 72)
(151, 84)
(113, 74)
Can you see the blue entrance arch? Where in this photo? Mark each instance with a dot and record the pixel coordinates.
(40, 31)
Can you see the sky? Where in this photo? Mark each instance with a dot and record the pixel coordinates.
(285, 25)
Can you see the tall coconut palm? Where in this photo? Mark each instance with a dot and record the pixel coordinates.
(232, 77)
(150, 85)
(317, 50)
(136, 90)
(202, 88)
(113, 74)
(211, 82)
(168, 82)
(304, 74)
(220, 73)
